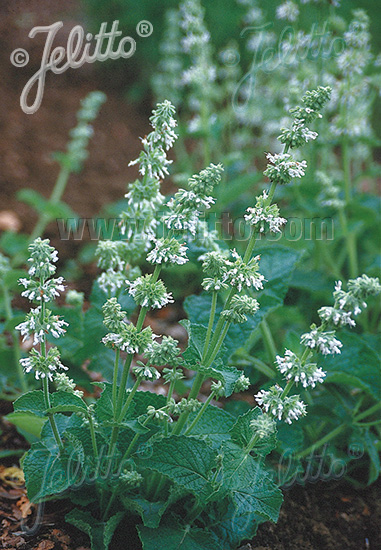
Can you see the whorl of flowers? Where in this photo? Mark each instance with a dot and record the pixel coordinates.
(263, 426)
(167, 251)
(64, 383)
(286, 408)
(43, 366)
(76, 152)
(329, 195)
(147, 293)
(324, 342)
(109, 254)
(39, 287)
(39, 327)
(350, 302)
(265, 215)
(284, 168)
(240, 306)
(296, 136)
(145, 372)
(244, 275)
(129, 339)
(114, 316)
(153, 160)
(308, 374)
(184, 207)
(163, 353)
(242, 384)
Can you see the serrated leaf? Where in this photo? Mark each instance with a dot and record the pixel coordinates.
(181, 538)
(213, 426)
(45, 471)
(232, 527)
(62, 402)
(249, 485)
(150, 512)
(186, 461)
(32, 402)
(100, 533)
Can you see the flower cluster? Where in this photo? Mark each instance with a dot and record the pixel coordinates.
(76, 152)
(287, 408)
(167, 251)
(153, 160)
(265, 215)
(145, 372)
(244, 274)
(263, 426)
(239, 307)
(350, 302)
(41, 323)
(148, 293)
(163, 353)
(288, 10)
(324, 342)
(43, 366)
(294, 369)
(64, 383)
(184, 207)
(330, 193)
(242, 384)
(284, 168)
(129, 339)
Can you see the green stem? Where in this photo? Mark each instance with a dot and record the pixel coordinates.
(115, 380)
(210, 324)
(287, 389)
(130, 397)
(209, 360)
(200, 413)
(198, 381)
(368, 412)
(268, 341)
(57, 437)
(93, 436)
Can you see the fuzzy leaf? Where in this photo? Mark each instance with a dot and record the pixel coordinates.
(150, 512)
(213, 426)
(250, 487)
(31, 402)
(62, 402)
(100, 533)
(186, 461)
(181, 538)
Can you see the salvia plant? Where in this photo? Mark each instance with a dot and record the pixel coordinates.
(188, 473)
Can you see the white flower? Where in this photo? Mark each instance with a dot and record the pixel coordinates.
(288, 10)
(324, 342)
(308, 374)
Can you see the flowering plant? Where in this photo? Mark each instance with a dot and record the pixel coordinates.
(189, 466)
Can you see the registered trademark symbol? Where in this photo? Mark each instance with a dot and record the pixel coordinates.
(144, 28)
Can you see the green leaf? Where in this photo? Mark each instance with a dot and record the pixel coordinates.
(27, 422)
(249, 485)
(357, 365)
(150, 512)
(375, 466)
(45, 471)
(242, 432)
(186, 461)
(180, 538)
(213, 426)
(231, 528)
(32, 402)
(100, 533)
(62, 402)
